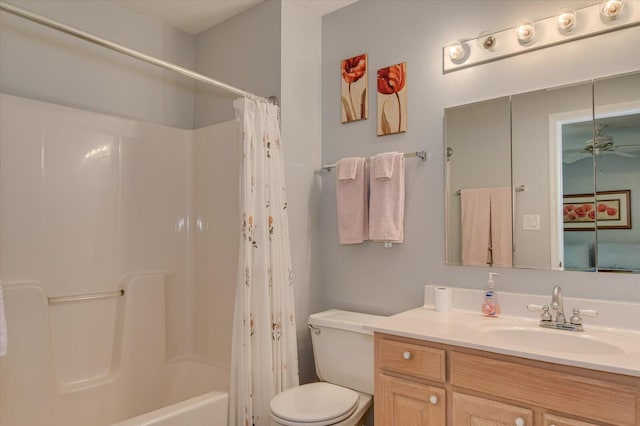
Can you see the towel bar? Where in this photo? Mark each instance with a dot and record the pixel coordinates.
(423, 155)
(90, 296)
(520, 188)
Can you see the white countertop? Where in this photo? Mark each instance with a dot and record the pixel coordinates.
(472, 330)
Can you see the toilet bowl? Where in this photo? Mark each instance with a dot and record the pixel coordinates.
(319, 404)
(343, 352)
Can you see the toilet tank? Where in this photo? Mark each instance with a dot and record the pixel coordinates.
(343, 349)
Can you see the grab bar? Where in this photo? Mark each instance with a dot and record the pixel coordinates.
(90, 296)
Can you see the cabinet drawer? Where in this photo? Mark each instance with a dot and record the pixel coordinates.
(581, 396)
(414, 360)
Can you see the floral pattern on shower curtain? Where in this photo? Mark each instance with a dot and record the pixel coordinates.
(264, 348)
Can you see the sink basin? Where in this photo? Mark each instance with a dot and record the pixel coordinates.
(555, 340)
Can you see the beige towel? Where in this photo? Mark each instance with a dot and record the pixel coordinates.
(475, 214)
(352, 200)
(3, 326)
(501, 228)
(486, 227)
(386, 205)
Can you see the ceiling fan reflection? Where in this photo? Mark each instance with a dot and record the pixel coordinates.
(599, 145)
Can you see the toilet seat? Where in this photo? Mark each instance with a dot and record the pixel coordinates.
(314, 404)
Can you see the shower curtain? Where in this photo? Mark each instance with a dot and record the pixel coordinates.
(264, 349)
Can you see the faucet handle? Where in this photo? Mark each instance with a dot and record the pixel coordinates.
(535, 308)
(576, 319)
(545, 315)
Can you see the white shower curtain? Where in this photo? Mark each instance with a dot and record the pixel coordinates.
(264, 349)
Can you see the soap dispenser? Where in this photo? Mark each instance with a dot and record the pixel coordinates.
(490, 305)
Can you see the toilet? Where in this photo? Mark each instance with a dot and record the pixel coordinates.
(343, 352)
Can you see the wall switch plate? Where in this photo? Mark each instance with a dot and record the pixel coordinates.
(531, 222)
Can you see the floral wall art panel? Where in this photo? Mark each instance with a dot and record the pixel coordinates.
(610, 210)
(392, 99)
(354, 89)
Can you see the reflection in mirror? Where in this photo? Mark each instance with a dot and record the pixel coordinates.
(578, 210)
(563, 145)
(616, 152)
(538, 121)
(478, 175)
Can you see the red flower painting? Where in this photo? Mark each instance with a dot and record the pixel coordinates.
(391, 84)
(354, 84)
(610, 210)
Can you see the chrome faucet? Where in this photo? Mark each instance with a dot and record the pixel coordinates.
(560, 323)
(557, 304)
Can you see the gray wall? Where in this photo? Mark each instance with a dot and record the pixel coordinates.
(377, 280)
(243, 51)
(43, 64)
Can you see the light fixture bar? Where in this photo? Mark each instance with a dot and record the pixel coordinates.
(588, 23)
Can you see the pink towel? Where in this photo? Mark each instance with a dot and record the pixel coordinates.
(347, 168)
(475, 215)
(352, 200)
(383, 165)
(501, 228)
(386, 205)
(486, 227)
(3, 326)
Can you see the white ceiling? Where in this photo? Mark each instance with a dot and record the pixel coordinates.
(194, 16)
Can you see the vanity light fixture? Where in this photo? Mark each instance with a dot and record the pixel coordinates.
(599, 17)
(526, 33)
(458, 52)
(487, 41)
(566, 20)
(611, 9)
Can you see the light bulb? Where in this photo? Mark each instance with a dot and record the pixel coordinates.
(487, 41)
(566, 20)
(457, 52)
(526, 33)
(610, 9)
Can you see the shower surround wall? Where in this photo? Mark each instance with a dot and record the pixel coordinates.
(94, 203)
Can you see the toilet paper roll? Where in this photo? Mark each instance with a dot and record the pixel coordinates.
(442, 299)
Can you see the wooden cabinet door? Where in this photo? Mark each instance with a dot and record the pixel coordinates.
(552, 420)
(473, 411)
(403, 403)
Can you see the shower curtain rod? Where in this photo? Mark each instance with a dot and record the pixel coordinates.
(56, 25)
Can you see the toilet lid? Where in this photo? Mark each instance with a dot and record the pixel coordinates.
(314, 403)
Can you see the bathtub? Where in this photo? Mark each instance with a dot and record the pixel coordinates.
(139, 387)
(209, 409)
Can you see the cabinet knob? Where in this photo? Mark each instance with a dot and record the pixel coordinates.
(520, 421)
(406, 355)
(433, 399)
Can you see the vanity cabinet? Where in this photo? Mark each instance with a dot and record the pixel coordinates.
(423, 383)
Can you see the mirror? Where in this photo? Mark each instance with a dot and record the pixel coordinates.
(471, 162)
(554, 149)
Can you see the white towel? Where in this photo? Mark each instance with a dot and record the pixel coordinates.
(352, 200)
(386, 205)
(3, 326)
